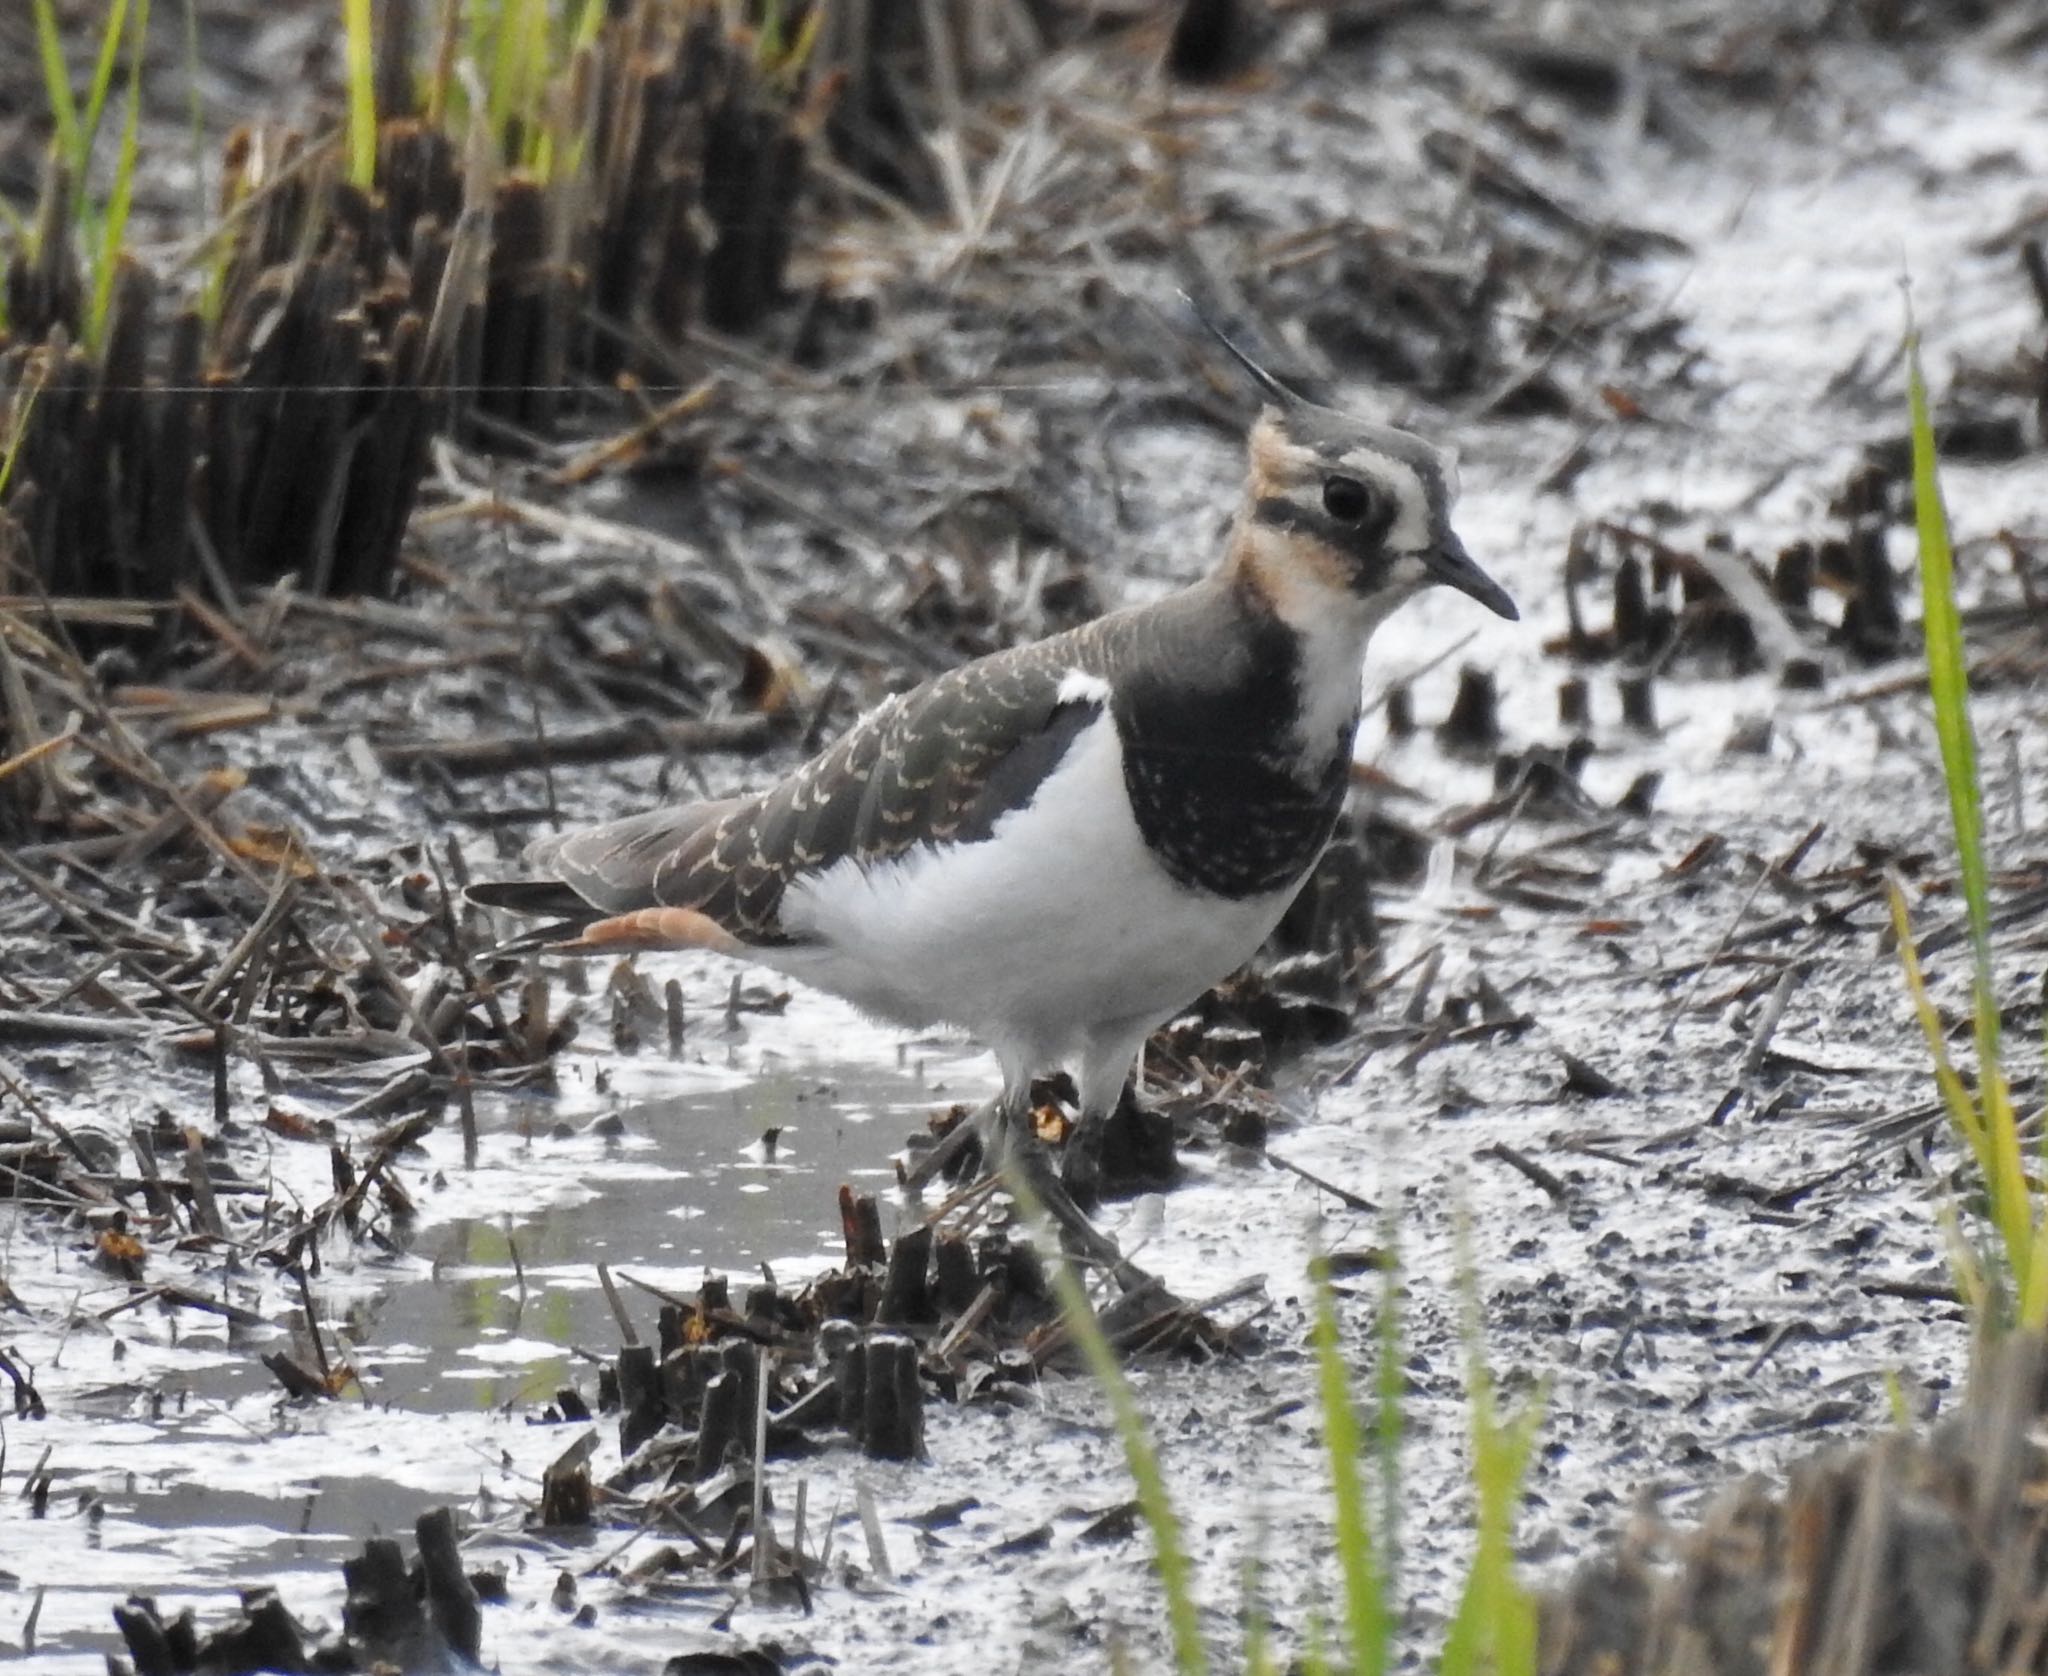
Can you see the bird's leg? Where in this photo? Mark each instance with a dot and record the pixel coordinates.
(1027, 1165)
(1081, 1157)
(1016, 1156)
(1110, 1063)
(1008, 1124)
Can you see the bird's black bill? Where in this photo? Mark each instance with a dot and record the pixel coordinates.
(1450, 564)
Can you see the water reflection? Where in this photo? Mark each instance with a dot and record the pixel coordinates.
(732, 1179)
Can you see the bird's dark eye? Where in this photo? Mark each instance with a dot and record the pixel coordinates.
(1346, 499)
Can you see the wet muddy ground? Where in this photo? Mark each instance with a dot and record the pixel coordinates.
(1644, 1041)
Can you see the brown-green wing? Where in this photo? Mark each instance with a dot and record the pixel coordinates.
(943, 763)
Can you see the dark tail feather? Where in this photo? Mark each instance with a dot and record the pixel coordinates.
(569, 916)
(531, 896)
(560, 936)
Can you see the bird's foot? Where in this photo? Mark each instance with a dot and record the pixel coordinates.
(1081, 1161)
(1114, 1155)
(1016, 1155)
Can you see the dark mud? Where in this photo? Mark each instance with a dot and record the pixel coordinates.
(1632, 1020)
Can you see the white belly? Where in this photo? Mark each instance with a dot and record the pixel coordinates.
(1060, 922)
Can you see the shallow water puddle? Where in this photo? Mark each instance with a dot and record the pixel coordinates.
(664, 1188)
(176, 1466)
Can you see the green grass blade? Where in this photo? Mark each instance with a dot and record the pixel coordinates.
(1948, 681)
(501, 31)
(1955, 1093)
(1493, 1632)
(588, 22)
(538, 60)
(17, 429)
(2020, 1204)
(1366, 1616)
(115, 229)
(57, 87)
(1495, 1627)
(1996, 1134)
(1975, 1270)
(362, 93)
(798, 58)
(441, 84)
(1170, 1556)
(518, 66)
(102, 83)
(1895, 1400)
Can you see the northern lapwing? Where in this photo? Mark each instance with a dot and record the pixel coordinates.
(1058, 847)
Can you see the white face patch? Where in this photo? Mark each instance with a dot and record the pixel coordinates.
(1411, 531)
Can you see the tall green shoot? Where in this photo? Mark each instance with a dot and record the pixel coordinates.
(1368, 1615)
(588, 22)
(57, 85)
(1170, 1555)
(519, 69)
(1494, 1630)
(76, 132)
(1948, 681)
(362, 93)
(2016, 1292)
(567, 132)
(101, 85)
(121, 195)
(23, 408)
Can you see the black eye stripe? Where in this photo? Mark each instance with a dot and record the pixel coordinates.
(1278, 512)
(1308, 517)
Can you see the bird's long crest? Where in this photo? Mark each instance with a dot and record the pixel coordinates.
(1265, 380)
